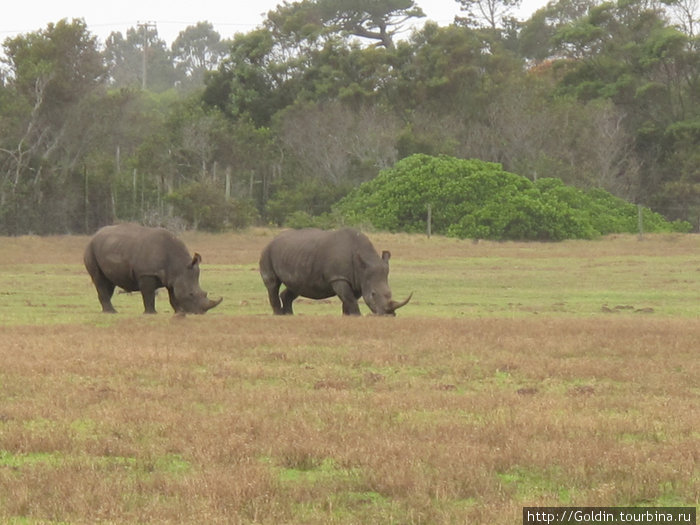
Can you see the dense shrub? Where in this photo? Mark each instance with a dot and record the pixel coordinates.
(204, 206)
(306, 201)
(477, 199)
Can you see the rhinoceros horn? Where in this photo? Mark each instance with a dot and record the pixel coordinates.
(213, 303)
(395, 305)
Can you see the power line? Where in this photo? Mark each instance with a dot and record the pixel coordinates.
(119, 25)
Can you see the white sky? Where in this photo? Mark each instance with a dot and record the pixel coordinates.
(172, 16)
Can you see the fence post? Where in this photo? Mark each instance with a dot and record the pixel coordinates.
(87, 198)
(429, 228)
(228, 183)
(640, 222)
(134, 214)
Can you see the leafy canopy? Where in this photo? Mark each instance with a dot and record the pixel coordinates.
(477, 199)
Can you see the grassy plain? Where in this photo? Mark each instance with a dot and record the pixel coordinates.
(520, 374)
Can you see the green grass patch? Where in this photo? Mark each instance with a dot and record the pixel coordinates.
(522, 281)
(531, 484)
(504, 383)
(309, 470)
(20, 460)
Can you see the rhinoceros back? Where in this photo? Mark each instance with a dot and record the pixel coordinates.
(124, 252)
(309, 260)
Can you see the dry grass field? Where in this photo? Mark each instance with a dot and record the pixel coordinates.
(520, 374)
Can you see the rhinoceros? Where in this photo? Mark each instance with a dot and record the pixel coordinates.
(319, 264)
(137, 258)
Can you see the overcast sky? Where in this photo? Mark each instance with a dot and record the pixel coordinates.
(173, 16)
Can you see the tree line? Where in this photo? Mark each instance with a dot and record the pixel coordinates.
(288, 118)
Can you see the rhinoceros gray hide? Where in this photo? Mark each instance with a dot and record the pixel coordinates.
(137, 258)
(319, 264)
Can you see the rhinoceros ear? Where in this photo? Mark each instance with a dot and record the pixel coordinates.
(386, 255)
(196, 260)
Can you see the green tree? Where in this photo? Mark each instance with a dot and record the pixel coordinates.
(451, 71)
(252, 82)
(197, 50)
(141, 59)
(537, 34)
(369, 19)
(628, 53)
(56, 83)
(493, 14)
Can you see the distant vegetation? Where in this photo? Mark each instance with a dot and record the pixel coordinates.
(276, 125)
(476, 199)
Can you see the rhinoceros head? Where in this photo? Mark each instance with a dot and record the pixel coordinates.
(375, 286)
(188, 296)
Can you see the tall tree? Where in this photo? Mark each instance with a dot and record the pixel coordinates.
(378, 21)
(628, 53)
(686, 15)
(196, 50)
(452, 70)
(56, 76)
(142, 59)
(536, 37)
(254, 81)
(370, 19)
(492, 14)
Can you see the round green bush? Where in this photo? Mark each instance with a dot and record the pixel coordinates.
(471, 198)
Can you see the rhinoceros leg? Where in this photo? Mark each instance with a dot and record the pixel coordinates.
(104, 287)
(148, 285)
(273, 294)
(171, 298)
(105, 290)
(347, 296)
(288, 297)
(272, 283)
